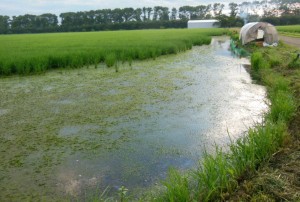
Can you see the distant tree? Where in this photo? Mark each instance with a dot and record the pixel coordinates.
(23, 23)
(137, 14)
(4, 24)
(233, 9)
(161, 13)
(118, 16)
(46, 23)
(149, 11)
(144, 13)
(164, 14)
(201, 11)
(218, 9)
(228, 21)
(186, 12)
(253, 18)
(128, 14)
(282, 20)
(173, 14)
(208, 11)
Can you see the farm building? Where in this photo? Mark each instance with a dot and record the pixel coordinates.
(202, 24)
(259, 31)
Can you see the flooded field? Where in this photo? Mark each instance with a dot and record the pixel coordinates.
(70, 132)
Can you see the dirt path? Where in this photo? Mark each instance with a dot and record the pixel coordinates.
(293, 41)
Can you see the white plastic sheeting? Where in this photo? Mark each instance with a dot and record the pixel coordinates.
(192, 24)
(255, 30)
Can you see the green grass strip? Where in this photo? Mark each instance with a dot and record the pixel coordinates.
(219, 174)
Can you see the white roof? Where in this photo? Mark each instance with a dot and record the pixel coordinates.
(197, 21)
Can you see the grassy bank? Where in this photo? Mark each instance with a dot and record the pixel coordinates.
(35, 53)
(218, 175)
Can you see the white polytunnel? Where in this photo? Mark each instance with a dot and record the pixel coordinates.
(259, 30)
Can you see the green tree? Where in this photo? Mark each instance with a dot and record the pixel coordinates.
(128, 14)
(218, 9)
(173, 14)
(24, 23)
(228, 21)
(161, 13)
(149, 11)
(233, 9)
(201, 11)
(4, 24)
(144, 13)
(118, 15)
(137, 14)
(186, 12)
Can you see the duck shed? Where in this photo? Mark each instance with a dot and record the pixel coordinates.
(192, 24)
(259, 31)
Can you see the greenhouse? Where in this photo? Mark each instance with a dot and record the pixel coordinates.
(259, 31)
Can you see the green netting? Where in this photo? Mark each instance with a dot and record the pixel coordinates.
(234, 46)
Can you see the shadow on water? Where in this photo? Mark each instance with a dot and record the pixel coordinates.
(129, 128)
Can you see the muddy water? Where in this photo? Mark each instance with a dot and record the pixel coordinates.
(68, 133)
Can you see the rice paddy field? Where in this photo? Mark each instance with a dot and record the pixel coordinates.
(36, 53)
(293, 30)
(68, 134)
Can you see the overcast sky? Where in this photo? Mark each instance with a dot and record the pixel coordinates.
(21, 7)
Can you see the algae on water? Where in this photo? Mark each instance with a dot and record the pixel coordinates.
(70, 131)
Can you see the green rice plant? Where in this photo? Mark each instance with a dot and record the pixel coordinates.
(295, 63)
(123, 194)
(283, 106)
(263, 135)
(289, 29)
(18, 53)
(214, 176)
(258, 62)
(110, 59)
(275, 82)
(177, 187)
(242, 156)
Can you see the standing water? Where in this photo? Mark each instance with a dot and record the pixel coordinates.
(67, 132)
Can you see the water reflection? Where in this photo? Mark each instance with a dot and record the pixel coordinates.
(215, 97)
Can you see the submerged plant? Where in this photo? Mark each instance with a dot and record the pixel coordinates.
(123, 193)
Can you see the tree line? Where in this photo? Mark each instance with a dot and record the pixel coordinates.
(278, 12)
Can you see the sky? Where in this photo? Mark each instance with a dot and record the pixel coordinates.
(37, 7)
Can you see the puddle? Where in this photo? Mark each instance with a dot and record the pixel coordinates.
(127, 128)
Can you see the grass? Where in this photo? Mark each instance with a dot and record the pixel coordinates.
(293, 30)
(278, 178)
(218, 175)
(36, 53)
